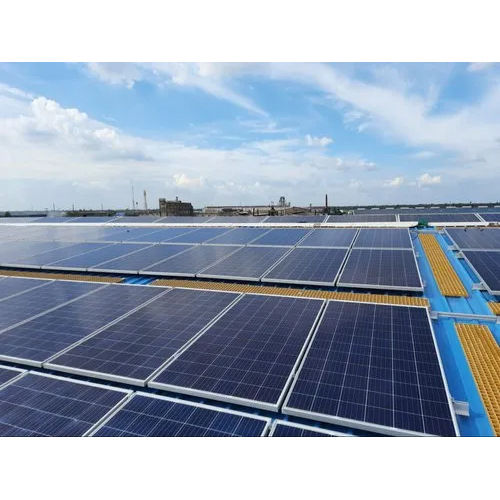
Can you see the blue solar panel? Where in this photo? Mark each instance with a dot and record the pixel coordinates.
(46, 258)
(290, 429)
(142, 219)
(191, 262)
(238, 236)
(38, 300)
(383, 238)
(7, 374)
(135, 233)
(184, 219)
(142, 259)
(487, 266)
(248, 263)
(437, 217)
(52, 220)
(318, 266)
(42, 405)
(199, 235)
(41, 338)
(329, 238)
(374, 367)
(377, 268)
(96, 257)
(237, 219)
(296, 218)
(157, 416)
(282, 237)
(490, 217)
(248, 355)
(14, 286)
(136, 346)
(161, 235)
(477, 238)
(13, 251)
(94, 220)
(362, 218)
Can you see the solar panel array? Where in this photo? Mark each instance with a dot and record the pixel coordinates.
(372, 218)
(475, 238)
(487, 266)
(281, 428)
(248, 355)
(383, 238)
(7, 374)
(155, 416)
(374, 367)
(327, 238)
(439, 217)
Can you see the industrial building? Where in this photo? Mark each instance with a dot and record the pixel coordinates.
(175, 207)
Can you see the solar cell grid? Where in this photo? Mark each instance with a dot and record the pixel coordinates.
(295, 218)
(318, 266)
(8, 374)
(248, 355)
(135, 347)
(238, 236)
(438, 217)
(163, 235)
(14, 286)
(383, 238)
(374, 367)
(248, 263)
(44, 405)
(141, 259)
(362, 218)
(289, 429)
(191, 262)
(37, 340)
(490, 217)
(146, 415)
(200, 235)
(329, 238)
(487, 266)
(33, 302)
(281, 237)
(13, 251)
(379, 268)
(475, 238)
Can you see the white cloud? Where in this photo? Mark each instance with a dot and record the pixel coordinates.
(428, 180)
(395, 182)
(182, 180)
(423, 155)
(479, 66)
(318, 141)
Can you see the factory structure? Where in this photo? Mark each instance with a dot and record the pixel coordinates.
(175, 207)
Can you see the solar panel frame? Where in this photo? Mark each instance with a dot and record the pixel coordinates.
(235, 399)
(485, 282)
(376, 286)
(126, 393)
(16, 373)
(39, 363)
(374, 231)
(307, 428)
(490, 217)
(450, 232)
(52, 364)
(358, 424)
(297, 250)
(194, 404)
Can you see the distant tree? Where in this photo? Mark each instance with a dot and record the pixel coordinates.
(7, 214)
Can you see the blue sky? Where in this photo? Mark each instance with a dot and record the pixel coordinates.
(248, 133)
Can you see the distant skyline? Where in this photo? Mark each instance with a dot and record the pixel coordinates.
(220, 134)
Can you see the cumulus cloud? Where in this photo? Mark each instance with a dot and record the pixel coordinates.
(182, 180)
(423, 155)
(479, 66)
(428, 180)
(395, 182)
(318, 141)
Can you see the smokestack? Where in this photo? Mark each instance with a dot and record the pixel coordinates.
(326, 201)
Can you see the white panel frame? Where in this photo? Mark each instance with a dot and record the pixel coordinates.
(319, 430)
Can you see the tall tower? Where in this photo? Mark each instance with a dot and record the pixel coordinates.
(145, 201)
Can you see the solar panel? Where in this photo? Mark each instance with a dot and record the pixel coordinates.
(17, 220)
(55, 293)
(236, 219)
(374, 367)
(44, 405)
(191, 262)
(161, 235)
(362, 218)
(96, 257)
(92, 219)
(46, 258)
(490, 217)
(199, 235)
(13, 251)
(296, 218)
(238, 236)
(383, 238)
(52, 220)
(384, 269)
(308, 266)
(135, 233)
(438, 217)
(132, 349)
(248, 263)
(281, 237)
(329, 238)
(282, 428)
(184, 219)
(487, 266)
(37, 340)
(136, 261)
(475, 238)
(15, 286)
(142, 219)
(8, 374)
(248, 356)
(158, 416)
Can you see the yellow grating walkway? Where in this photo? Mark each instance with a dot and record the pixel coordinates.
(495, 307)
(483, 356)
(61, 276)
(295, 292)
(447, 279)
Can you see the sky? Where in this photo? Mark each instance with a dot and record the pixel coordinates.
(83, 134)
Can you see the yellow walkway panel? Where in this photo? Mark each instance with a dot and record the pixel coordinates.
(483, 356)
(294, 292)
(446, 278)
(495, 307)
(61, 276)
